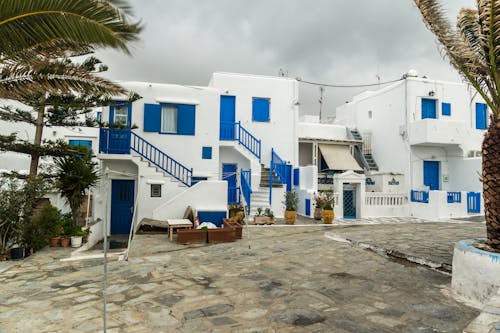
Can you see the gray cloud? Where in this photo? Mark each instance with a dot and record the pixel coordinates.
(323, 40)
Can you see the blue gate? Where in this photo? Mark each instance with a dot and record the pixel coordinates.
(473, 202)
(349, 204)
(431, 174)
(229, 175)
(122, 205)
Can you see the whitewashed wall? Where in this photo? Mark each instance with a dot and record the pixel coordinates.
(308, 186)
(280, 133)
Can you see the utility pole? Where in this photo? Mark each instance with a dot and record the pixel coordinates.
(321, 90)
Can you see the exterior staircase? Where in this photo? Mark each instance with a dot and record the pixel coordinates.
(260, 199)
(265, 178)
(363, 154)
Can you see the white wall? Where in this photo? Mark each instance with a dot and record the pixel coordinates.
(186, 149)
(438, 207)
(465, 174)
(280, 133)
(308, 186)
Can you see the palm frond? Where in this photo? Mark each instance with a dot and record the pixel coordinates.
(21, 81)
(95, 23)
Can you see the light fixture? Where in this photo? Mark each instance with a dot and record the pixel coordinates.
(431, 93)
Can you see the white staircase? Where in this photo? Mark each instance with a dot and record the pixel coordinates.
(259, 199)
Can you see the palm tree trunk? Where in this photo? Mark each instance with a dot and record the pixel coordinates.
(35, 155)
(491, 182)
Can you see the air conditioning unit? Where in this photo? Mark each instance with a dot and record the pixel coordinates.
(474, 153)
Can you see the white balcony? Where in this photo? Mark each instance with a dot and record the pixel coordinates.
(437, 132)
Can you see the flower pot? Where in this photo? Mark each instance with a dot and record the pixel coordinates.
(55, 241)
(290, 216)
(318, 213)
(65, 241)
(76, 241)
(328, 216)
(17, 253)
(221, 235)
(190, 236)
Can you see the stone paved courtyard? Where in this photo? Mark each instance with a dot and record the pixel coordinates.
(281, 279)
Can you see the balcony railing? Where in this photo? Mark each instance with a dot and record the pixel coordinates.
(114, 141)
(419, 196)
(234, 131)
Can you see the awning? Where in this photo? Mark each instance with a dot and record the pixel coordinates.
(338, 157)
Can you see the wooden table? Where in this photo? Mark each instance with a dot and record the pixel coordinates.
(177, 224)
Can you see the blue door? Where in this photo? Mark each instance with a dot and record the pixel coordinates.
(229, 175)
(227, 117)
(349, 204)
(481, 116)
(122, 205)
(428, 108)
(431, 174)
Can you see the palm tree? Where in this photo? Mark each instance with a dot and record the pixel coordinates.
(473, 48)
(75, 175)
(36, 38)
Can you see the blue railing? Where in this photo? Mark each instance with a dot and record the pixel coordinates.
(473, 202)
(246, 187)
(454, 197)
(114, 141)
(234, 131)
(234, 195)
(278, 167)
(419, 196)
(161, 160)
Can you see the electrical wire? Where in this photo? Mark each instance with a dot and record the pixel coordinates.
(347, 85)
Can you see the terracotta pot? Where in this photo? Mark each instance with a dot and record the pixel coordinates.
(318, 213)
(65, 241)
(290, 216)
(328, 216)
(55, 241)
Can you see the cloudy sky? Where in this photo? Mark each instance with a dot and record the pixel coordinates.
(327, 41)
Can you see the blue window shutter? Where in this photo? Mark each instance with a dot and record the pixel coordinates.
(152, 117)
(481, 116)
(308, 207)
(428, 108)
(260, 109)
(186, 119)
(206, 153)
(446, 109)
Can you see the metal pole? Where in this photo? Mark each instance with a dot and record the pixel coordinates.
(321, 89)
(105, 282)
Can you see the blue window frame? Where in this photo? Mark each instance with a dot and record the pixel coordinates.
(446, 109)
(429, 108)
(120, 113)
(260, 109)
(158, 118)
(82, 143)
(481, 116)
(98, 116)
(206, 153)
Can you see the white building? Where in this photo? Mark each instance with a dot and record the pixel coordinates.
(202, 147)
(425, 134)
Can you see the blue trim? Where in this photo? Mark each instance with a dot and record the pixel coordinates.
(296, 176)
(419, 196)
(260, 109)
(246, 186)
(308, 207)
(446, 109)
(466, 245)
(473, 202)
(227, 129)
(112, 112)
(206, 153)
(481, 116)
(98, 116)
(432, 174)
(152, 117)
(114, 141)
(453, 197)
(195, 180)
(428, 108)
(214, 217)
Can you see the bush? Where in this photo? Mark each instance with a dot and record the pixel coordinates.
(40, 229)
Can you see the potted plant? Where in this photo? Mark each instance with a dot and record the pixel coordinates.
(237, 211)
(77, 237)
(264, 217)
(328, 214)
(319, 202)
(68, 229)
(290, 202)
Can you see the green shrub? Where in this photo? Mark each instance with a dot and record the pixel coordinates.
(40, 229)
